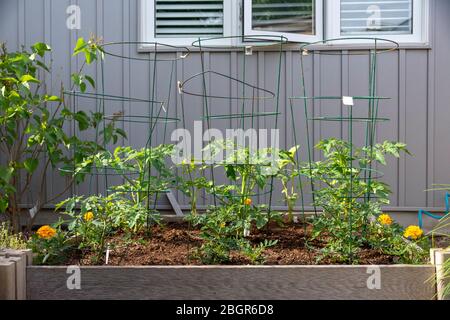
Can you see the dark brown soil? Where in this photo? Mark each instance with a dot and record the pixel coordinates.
(175, 243)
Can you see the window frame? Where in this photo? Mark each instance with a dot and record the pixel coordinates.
(238, 22)
(294, 37)
(420, 35)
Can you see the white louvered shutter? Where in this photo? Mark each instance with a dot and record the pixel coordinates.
(189, 18)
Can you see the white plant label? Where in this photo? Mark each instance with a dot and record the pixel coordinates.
(347, 101)
(107, 255)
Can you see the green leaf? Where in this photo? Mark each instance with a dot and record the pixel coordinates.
(82, 119)
(231, 173)
(9, 79)
(80, 46)
(51, 98)
(261, 221)
(28, 78)
(121, 133)
(40, 48)
(379, 156)
(90, 80)
(83, 87)
(6, 173)
(90, 56)
(43, 66)
(13, 94)
(3, 204)
(31, 165)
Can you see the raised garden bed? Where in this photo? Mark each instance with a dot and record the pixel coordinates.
(165, 268)
(238, 282)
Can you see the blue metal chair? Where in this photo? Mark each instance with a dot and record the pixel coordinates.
(434, 216)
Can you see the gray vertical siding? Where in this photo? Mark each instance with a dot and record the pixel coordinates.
(417, 80)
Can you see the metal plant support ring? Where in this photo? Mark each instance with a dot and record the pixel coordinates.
(249, 104)
(346, 117)
(152, 111)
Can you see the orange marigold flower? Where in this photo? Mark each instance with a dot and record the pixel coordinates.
(413, 232)
(248, 202)
(46, 232)
(385, 220)
(88, 216)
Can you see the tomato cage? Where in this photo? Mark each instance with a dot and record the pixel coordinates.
(350, 115)
(143, 114)
(237, 106)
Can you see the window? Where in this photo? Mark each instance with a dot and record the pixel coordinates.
(298, 20)
(404, 21)
(181, 22)
(376, 17)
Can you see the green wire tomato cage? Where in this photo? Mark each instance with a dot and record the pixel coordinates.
(245, 104)
(353, 109)
(151, 112)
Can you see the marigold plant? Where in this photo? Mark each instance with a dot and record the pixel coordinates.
(88, 216)
(385, 220)
(46, 232)
(413, 232)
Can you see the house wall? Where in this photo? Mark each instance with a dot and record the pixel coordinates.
(417, 80)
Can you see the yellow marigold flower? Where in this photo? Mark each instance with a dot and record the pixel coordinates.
(222, 225)
(88, 216)
(385, 220)
(413, 232)
(248, 202)
(46, 232)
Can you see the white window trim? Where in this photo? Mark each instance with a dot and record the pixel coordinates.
(248, 28)
(238, 23)
(147, 27)
(420, 35)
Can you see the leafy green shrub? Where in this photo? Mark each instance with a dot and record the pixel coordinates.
(146, 177)
(193, 182)
(10, 240)
(392, 239)
(221, 234)
(288, 174)
(348, 198)
(226, 225)
(91, 225)
(32, 123)
(128, 207)
(51, 244)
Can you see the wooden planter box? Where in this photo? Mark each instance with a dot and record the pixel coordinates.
(234, 282)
